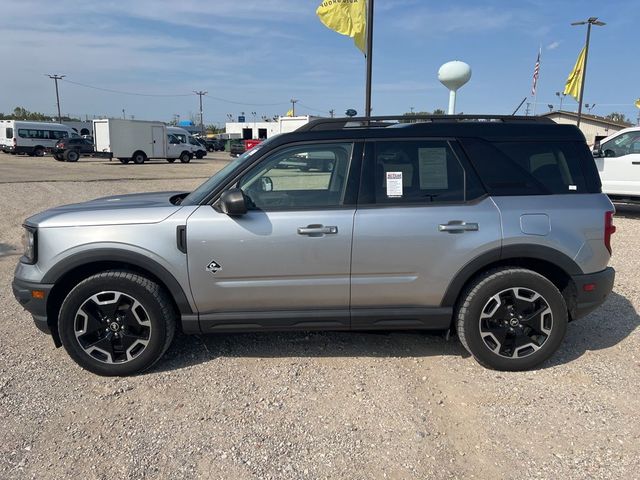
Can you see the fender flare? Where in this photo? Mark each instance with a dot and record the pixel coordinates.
(508, 252)
(88, 257)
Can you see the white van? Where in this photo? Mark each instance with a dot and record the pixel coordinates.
(32, 138)
(197, 148)
(618, 162)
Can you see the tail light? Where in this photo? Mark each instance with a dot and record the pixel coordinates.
(609, 229)
(15, 142)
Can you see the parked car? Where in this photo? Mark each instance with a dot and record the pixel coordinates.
(618, 161)
(494, 228)
(71, 149)
(236, 148)
(213, 144)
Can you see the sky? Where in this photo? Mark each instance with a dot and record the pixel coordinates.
(255, 55)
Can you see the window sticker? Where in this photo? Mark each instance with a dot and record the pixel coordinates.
(433, 168)
(573, 187)
(394, 184)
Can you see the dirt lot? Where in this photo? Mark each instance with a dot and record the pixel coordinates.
(308, 405)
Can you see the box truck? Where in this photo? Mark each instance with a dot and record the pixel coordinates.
(139, 141)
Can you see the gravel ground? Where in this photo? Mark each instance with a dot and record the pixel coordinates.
(312, 405)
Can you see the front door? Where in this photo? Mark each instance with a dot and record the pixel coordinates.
(421, 218)
(620, 167)
(286, 262)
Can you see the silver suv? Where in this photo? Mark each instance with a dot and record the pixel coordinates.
(491, 227)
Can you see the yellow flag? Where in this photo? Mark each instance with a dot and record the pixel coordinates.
(347, 17)
(637, 104)
(289, 113)
(574, 82)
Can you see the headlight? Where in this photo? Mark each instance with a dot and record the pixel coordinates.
(29, 245)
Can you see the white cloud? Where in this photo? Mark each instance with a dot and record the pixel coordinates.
(553, 45)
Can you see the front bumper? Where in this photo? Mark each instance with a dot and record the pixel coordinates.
(598, 287)
(37, 307)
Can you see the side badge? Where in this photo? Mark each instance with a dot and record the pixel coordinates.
(213, 267)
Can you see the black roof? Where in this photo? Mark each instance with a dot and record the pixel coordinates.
(489, 127)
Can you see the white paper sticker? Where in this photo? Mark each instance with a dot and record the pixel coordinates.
(394, 184)
(573, 187)
(433, 168)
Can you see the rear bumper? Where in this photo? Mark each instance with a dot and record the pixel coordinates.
(587, 301)
(37, 307)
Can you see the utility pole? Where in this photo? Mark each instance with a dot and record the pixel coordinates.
(526, 110)
(55, 79)
(293, 106)
(200, 94)
(332, 113)
(590, 21)
(124, 117)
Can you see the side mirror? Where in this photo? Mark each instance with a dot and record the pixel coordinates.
(232, 202)
(266, 184)
(597, 153)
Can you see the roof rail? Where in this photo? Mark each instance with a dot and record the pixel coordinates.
(387, 121)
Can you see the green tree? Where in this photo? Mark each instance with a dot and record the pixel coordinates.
(618, 117)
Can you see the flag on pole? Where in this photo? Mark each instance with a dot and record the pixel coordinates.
(536, 74)
(574, 81)
(347, 17)
(637, 104)
(290, 113)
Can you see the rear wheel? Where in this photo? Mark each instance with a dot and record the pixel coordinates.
(116, 323)
(71, 156)
(38, 151)
(185, 157)
(511, 319)
(139, 158)
(124, 160)
(171, 160)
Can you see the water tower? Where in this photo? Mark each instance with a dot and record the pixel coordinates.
(454, 75)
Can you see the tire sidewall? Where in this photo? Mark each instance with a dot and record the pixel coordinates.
(96, 284)
(489, 288)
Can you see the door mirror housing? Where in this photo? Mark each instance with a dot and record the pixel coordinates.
(597, 153)
(233, 203)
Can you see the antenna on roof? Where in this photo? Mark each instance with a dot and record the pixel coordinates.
(518, 108)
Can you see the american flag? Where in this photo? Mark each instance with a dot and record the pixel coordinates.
(536, 74)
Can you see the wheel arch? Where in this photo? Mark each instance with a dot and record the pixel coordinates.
(72, 270)
(556, 266)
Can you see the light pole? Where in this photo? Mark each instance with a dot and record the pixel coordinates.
(588, 22)
(200, 94)
(561, 96)
(55, 79)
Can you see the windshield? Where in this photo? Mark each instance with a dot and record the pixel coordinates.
(199, 194)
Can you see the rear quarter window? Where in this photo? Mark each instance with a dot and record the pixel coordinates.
(534, 168)
(9, 132)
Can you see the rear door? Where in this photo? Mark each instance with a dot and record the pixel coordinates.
(158, 139)
(422, 216)
(291, 252)
(620, 167)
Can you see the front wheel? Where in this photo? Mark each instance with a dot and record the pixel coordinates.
(511, 319)
(58, 157)
(71, 156)
(116, 323)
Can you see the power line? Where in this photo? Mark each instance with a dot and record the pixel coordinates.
(128, 93)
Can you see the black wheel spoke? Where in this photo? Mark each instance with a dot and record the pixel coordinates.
(105, 344)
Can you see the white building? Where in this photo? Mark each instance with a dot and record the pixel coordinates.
(262, 130)
(593, 127)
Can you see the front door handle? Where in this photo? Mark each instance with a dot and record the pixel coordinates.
(458, 226)
(317, 230)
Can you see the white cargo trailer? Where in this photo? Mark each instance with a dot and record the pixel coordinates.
(138, 141)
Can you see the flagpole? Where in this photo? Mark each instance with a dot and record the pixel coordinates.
(535, 97)
(584, 73)
(367, 107)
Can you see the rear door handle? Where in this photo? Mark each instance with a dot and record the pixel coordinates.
(458, 226)
(317, 230)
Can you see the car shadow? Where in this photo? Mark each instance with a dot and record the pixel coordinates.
(614, 321)
(606, 327)
(627, 210)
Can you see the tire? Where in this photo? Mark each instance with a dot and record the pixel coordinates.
(200, 155)
(139, 158)
(38, 152)
(58, 157)
(71, 156)
(185, 157)
(171, 160)
(124, 160)
(106, 338)
(490, 312)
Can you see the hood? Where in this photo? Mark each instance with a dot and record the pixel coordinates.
(115, 210)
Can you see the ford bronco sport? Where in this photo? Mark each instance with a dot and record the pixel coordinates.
(491, 227)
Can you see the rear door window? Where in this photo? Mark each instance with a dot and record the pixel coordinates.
(9, 132)
(533, 168)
